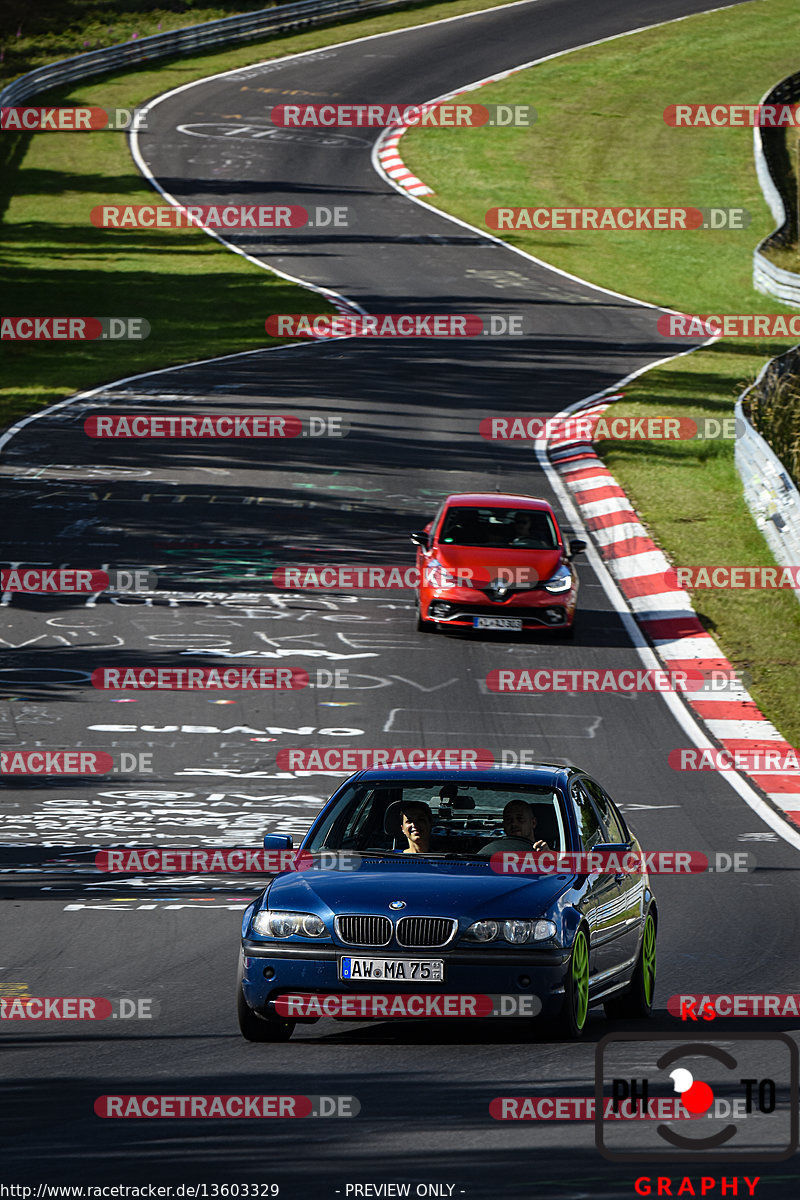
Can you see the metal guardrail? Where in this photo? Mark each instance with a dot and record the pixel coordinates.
(194, 38)
(768, 278)
(770, 494)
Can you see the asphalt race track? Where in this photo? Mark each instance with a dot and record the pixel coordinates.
(210, 519)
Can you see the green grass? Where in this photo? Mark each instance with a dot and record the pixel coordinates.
(600, 140)
(200, 299)
(32, 35)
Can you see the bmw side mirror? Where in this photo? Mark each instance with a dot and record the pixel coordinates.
(576, 546)
(278, 841)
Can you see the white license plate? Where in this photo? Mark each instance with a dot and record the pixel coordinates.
(390, 970)
(497, 622)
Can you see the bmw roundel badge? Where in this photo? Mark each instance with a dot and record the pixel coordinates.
(397, 904)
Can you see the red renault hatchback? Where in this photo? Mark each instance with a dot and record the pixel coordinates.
(493, 561)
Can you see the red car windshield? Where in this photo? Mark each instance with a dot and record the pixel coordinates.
(517, 528)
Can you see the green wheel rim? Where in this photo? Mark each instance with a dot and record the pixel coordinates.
(649, 959)
(580, 979)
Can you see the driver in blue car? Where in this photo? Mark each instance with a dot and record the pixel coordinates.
(519, 825)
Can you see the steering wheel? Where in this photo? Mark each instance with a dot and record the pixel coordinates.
(507, 843)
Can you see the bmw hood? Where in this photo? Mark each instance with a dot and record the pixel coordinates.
(467, 891)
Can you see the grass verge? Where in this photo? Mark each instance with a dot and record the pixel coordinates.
(600, 140)
(57, 264)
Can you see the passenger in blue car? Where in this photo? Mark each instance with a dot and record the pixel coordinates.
(416, 820)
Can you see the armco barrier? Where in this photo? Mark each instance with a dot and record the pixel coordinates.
(767, 277)
(190, 40)
(771, 495)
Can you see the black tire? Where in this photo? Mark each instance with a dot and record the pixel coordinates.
(636, 1003)
(571, 1022)
(254, 1027)
(425, 626)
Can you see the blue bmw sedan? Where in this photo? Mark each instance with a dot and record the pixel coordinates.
(416, 900)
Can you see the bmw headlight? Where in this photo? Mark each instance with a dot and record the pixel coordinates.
(518, 931)
(483, 931)
(275, 924)
(560, 582)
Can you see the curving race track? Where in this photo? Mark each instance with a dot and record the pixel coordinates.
(414, 410)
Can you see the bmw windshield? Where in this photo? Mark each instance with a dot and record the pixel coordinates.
(464, 820)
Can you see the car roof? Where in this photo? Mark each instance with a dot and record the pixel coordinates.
(542, 774)
(498, 500)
